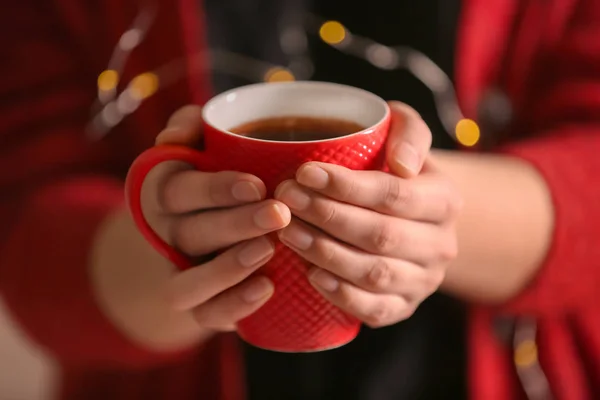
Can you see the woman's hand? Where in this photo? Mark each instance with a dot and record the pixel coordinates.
(380, 243)
(199, 213)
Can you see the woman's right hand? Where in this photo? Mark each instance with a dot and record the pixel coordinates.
(198, 213)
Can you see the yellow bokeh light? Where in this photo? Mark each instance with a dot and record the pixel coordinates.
(278, 74)
(467, 132)
(526, 354)
(332, 32)
(108, 80)
(144, 85)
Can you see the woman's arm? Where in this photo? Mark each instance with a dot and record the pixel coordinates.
(505, 229)
(530, 231)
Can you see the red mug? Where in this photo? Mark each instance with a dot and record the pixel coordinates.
(296, 318)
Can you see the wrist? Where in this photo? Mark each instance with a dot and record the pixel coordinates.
(128, 278)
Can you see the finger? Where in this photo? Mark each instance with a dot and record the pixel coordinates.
(197, 285)
(417, 242)
(192, 190)
(184, 127)
(409, 141)
(226, 309)
(375, 310)
(425, 198)
(372, 273)
(206, 232)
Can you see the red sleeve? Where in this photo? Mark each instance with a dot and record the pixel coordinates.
(56, 187)
(45, 279)
(566, 151)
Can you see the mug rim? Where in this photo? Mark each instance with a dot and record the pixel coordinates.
(367, 130)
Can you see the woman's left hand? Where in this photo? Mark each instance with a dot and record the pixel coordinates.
(380, 242)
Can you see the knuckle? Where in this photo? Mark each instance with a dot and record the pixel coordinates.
(456, 203)
(169, 176)
(396, 195)
(379, 275)
(325, 211)
(168, 197)
(210, 320)
(427, 135)
(213, 189)
(384, 239)
(346, 188)
(177, 235)
(181, 236)
(203, 317)
(345, 299)
(378, 317)
(433, 280)
(325, 252)
(171, 295)
(453, 202)
(237, 223)
(448, 251)
(406, 312)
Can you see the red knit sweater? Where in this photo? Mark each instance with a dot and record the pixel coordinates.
(56, 187)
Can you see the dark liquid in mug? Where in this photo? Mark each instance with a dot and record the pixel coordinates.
(297, 129)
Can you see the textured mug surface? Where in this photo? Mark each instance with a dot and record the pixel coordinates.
(296, 318)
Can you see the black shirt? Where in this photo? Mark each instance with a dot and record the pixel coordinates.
(422, 357)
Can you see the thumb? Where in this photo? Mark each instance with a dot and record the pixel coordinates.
(184, 127)
(409, 141)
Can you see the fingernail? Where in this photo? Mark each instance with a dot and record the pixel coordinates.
(245, 191)
(269, 217)
(406, 156)
(256, 291)
(324, 280)
(293, 197)
(256, 251)
(313, 177)
(296, 237)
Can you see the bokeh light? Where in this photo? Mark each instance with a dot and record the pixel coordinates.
(526, 353)
(332, 32)
(467, 132)
(144, 85)
(278, 74)
(108, 80)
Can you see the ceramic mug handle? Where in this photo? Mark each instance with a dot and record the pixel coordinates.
(140, 168)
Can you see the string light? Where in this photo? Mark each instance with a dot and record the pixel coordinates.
(294, 45)
(400, 57)
(467, 132)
